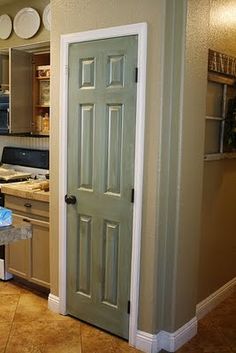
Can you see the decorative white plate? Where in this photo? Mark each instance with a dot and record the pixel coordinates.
(47, 17)
(26, 23)
(5, 26)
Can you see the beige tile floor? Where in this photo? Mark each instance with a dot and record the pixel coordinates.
(27, 326)
(216, 331)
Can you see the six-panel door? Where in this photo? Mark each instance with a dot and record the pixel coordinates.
(101, 145)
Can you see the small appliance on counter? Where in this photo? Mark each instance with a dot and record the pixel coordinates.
(19, 164)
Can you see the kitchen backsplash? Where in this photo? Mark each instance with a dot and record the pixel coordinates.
(27, 142)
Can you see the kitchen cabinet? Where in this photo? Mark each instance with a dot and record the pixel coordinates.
(4, 71)
(19, 66)
(20, 90)
(29, 259)
(41, 94)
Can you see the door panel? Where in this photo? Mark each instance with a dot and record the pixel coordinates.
(101, 136)
(84, 256)
(20, 91)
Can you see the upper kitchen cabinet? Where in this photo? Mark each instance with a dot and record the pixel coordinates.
(41, 93)
(4, 71)
(20, 87)
(27, 70)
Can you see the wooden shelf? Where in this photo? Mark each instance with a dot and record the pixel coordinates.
(43, 78)
(219, 156)
(214, 118)
(213, 157)
(40, 83)
(220, 78)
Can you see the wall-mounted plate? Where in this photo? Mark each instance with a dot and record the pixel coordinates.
(5, 26)
(26, 22)
(47, 17)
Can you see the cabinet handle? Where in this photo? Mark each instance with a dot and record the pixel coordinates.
(27, 204)
(26, 220)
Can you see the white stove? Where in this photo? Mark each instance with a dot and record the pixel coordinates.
(19, 164)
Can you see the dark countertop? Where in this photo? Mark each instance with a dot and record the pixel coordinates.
(15, 232)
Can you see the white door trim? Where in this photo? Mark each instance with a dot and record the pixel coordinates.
(139, 29)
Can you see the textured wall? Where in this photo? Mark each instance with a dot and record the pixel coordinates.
(77, 15)
(180, 232)
(222, 26)
(218, 241)
(27, 142)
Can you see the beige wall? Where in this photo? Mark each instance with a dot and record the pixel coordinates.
(222, 26)
(75, 16)
(182, 167)
(218, 241)
(173, 148)
(174, 137)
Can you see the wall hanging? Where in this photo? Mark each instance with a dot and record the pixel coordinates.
(47, 17)
(26, 23)
(5, 26)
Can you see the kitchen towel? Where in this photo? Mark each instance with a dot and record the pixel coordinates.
(5, 217)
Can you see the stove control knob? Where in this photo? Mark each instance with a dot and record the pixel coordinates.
(70, 199)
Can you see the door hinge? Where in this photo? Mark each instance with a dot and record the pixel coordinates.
(67, 70)
(128, 307)
(132, 196)
(136, 74)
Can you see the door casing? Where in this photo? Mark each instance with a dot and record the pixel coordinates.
(139, 29)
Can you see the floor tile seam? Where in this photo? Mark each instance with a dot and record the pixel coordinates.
(7, 294)
(38, 320)
(9, 334)
(81, 338)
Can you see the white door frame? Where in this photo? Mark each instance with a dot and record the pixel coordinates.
(139, 29)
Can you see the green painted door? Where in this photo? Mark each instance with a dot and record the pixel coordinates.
(101, 144)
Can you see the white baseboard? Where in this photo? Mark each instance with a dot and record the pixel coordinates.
(215, 298)
(54, 303)
(146, 342)
(150, 343)
(173, 341)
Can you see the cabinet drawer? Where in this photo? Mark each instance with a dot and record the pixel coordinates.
(26, 206)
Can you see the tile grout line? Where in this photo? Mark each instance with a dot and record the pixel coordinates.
(12, 324)
(81, 341)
